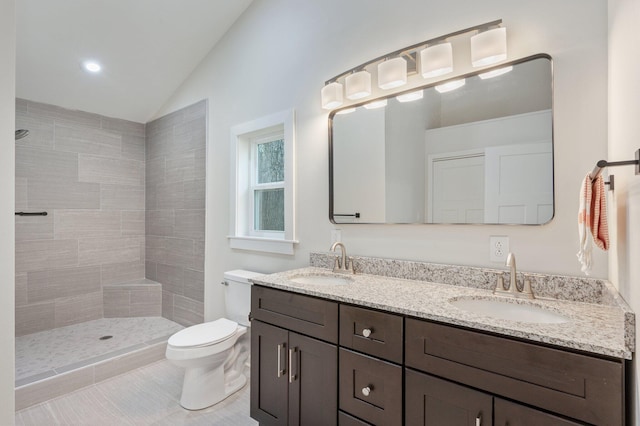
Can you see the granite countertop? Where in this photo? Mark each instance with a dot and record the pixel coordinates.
(603, 329)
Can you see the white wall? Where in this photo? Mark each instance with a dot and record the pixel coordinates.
(624, 140)
(7, 189)
(280, 52)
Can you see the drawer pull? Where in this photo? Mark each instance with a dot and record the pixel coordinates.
(366, 391)
(479, 419)
(367, 332)
(280, 370)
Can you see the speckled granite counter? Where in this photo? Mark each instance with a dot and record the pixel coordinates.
(605, 328)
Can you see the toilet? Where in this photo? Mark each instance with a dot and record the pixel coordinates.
(214, 353)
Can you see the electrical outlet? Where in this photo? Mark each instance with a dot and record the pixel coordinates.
(336, 236)
(498, 248)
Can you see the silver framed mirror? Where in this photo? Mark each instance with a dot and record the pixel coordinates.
(479, 154)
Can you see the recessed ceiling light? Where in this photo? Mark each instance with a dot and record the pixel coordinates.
(92, 66)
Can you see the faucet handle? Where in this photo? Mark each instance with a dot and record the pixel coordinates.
(526, 286)
(336, 264)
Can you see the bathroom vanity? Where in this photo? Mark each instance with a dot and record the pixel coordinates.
(388, 351)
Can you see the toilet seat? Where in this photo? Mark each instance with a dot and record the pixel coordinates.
(205, 334)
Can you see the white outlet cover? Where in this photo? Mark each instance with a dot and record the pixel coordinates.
(498, 248)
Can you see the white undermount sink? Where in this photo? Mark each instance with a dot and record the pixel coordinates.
(321, 279)
(506, 310)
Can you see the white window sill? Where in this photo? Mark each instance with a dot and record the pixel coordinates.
(269, 245)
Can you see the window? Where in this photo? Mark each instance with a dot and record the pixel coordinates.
(262, 198)
(267, 185)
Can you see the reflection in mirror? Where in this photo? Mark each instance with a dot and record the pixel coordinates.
(481, 153)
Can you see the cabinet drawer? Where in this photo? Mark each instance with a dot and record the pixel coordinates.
(385, 338)
(304, 314)
(370, 389)
(508, 413)
(578, 386)
(347, 420)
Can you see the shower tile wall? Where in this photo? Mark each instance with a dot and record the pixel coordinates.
(175, 214)
(88, 172)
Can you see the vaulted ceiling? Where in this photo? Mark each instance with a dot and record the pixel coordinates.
(147, 48)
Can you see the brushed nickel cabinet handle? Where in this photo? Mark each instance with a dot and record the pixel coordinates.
(367, 332)
(281, 372)
(366, 391)
(292, 353)
(479, 419)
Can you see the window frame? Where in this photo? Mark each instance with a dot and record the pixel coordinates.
(241, 233)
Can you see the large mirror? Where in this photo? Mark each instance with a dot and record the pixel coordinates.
(479, 154)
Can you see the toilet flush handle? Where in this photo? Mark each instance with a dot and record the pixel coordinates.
(224, 283)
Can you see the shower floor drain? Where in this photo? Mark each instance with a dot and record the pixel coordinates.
(105, 337)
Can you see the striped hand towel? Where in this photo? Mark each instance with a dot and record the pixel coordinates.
(592, 220)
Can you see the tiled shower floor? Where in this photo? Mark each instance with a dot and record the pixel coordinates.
(47, 353)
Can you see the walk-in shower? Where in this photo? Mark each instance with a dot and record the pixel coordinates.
(120, 251)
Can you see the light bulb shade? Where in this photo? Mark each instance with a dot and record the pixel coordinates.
(331, 95)
(392, 73)
(358, 85)
(489, 47)
(411, 96)
(452, 85)
(436, 60)
(376, 104)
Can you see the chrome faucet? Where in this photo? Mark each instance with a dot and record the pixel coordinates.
(344, 265)
(513, 289)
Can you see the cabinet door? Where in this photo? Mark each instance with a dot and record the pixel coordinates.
(313, 382)
(432, 401)
(269, 370)
(511, 414)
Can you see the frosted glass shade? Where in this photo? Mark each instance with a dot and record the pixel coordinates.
(452, 85)
(376, 104)
(436, 60)
(358, 85)
(332, 95)
(392, 73)
(489, 47)
(411, 96)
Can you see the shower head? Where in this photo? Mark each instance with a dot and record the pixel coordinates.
(21, 133)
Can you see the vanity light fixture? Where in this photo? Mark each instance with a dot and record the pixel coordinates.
(495, 73)
(376, 104)
(358, 85)
(392, 73)
(436, 60)
(429, 59)
(411, 96)
(450, 86)
(489, 47)
(332, 95)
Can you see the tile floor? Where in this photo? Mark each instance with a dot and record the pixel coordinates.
(146, 396)
(44, 354)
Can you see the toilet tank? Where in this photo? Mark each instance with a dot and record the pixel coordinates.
(237, 295)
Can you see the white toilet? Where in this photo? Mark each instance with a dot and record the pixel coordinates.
(214, 353)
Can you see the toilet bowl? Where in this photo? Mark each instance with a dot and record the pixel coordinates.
(214, 353)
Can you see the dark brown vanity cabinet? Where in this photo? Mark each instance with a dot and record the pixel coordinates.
(319, 362)
(293, 376)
